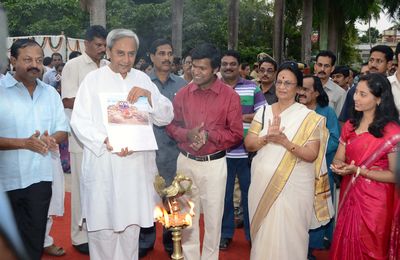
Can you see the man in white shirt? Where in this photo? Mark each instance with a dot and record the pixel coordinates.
(51, 76)
(117, 186)
(324, 65)
(73, 74)
(395, 79)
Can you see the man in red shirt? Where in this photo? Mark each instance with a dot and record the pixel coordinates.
(207, 121)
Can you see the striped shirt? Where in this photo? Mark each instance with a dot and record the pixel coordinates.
(251, 99)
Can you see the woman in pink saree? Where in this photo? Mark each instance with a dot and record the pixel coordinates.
(366, 160)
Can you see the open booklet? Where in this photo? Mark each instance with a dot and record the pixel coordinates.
(128, 125)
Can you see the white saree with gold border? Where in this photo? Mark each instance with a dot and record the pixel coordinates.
(287, 195)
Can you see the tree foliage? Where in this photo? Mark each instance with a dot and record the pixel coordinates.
(203, 21)
(45, 17)
(371, 34)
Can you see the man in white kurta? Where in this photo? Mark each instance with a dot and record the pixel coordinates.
(117, 188)
(75, 70)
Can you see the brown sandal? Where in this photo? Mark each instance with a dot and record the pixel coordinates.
(54, 250)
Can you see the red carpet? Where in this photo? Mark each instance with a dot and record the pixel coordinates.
(239, 248)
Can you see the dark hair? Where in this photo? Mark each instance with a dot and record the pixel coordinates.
(327, 53)
(157, 43)
(74, 54)
(232, 53)
(322, 99)
(293, 67)
(244, 65)
(97, 31)
(355, 72)
(207, 51)
(56, 54)
(144, 66)
(59, 65)
(397, 52)
(47, 61)
(269, 60)
(344, 70)
(176, 60)
(385, 112)
(21, 44)
(384, 49)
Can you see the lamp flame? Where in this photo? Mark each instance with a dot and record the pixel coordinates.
(191, 211)
(188, 220)
(158, 213)
(166, 219)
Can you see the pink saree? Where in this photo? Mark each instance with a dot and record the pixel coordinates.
(366, 207)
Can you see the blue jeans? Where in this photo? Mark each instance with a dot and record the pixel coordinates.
(239, 167)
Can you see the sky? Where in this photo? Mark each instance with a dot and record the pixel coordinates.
(383, 23)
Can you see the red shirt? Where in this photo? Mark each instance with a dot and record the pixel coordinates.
(220, 110)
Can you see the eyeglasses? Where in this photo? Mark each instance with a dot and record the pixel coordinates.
(378, 61)
(267, 71)
(285, 83)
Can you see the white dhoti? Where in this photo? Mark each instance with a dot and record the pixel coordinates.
(78, 229)
(56, 207)
(107, 244)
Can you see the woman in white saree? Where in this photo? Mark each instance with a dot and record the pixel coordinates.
(289, 190)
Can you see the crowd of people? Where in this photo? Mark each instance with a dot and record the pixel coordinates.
(283, 140)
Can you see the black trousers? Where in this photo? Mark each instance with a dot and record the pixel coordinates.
(147, 238)
(30, 207)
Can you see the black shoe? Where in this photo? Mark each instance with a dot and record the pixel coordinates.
(82, 248)
(310, 256)
(169, 250)
(143, 252)
(224, 243)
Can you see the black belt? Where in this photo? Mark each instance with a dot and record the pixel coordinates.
(205, 158)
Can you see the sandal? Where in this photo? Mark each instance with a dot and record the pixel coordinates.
(54, 250)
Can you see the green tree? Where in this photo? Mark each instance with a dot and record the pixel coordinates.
(370, 36)
(349, 55)
(42, 17)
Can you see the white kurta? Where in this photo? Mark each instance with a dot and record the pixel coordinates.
(116, 191)
(56, 207)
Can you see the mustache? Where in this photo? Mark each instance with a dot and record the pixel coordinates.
(166, 62)
(301, 96)
(34, 69)
(321, 73)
